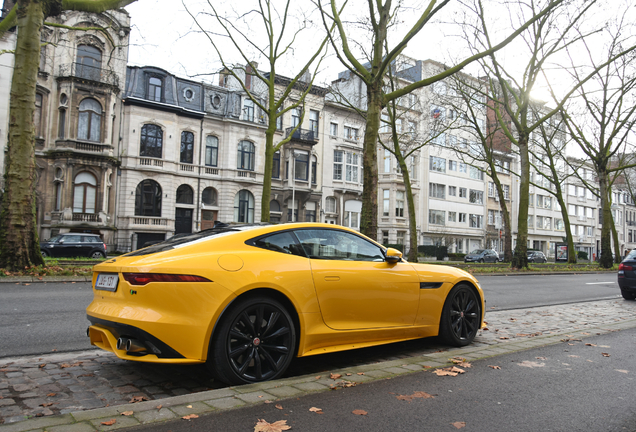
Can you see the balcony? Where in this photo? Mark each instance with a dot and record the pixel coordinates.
(79, 70)
(305, 136)
(83, 146)
(85, 217)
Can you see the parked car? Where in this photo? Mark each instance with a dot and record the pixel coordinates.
(246, 300)
(627, 276)
(74, 245)
(537, 257)
(482, 255)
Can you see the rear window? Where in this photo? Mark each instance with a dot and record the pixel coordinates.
(177, 241)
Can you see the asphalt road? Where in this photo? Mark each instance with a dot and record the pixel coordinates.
(42, 317)
(571, 386)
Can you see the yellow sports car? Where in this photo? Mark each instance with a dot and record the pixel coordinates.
(248, 299)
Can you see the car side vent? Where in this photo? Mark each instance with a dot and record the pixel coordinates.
(430, 285)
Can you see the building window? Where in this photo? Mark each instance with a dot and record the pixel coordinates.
(37, 115)
(61, 123)
(244, 207)
(90, 120)
(185, 194)
(274, 206)
(437, 164)
(295, 116)
(438, 138)
(187, 147)
(352, 214)
(330, 205)
(437, 190)
(148, 198)
(155, 89)
(333, 129)
(452, 216)
(462, 217)
(310, 215)
(387, 161)
(351, 167)
(151, 144)
(337, 164)
(211, 151)
(452, 165)
(58, 196)
(245, 156)
(85, 193)
(476, 173)
(314, 170)
(462, 167)
(452, 190)
(248, 109)
(313, 122)
(476, 197)
(209, 196)
(399, 204)
(385, 237)
(476, 221)
(463, 193)
(400, 237)
(437, 217)
(386, 202)
(89, 62)
(351, 133)
(301, 166)
(276, 165)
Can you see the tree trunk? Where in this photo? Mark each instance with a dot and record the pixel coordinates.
(369, 217)
(606, 260)
(412, 257)
(617, 245)
(520, 258)
(506, 217)
(19, 245)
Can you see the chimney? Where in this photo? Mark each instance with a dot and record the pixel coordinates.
(249, 72)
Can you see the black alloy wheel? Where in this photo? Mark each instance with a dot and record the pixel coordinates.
(461, 316)
(256, 342)
(97, 254)
(481, 260)
(45, 254)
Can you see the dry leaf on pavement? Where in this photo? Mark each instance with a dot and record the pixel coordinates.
(590, 344)
(359, 412)
(127, 413)
(449, 371)
(136, 399)
(109, 422)
(417, 394)
(335, 376)
(263, 426)
(190, 417)
(459, 425)
(605, 354)
(494, 367)
(278, 406)
(316, 410)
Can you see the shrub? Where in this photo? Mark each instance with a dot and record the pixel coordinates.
(582, 255)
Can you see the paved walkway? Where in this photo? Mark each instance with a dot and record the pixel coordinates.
(76, 392)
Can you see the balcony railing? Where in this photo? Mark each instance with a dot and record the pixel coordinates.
(83, 146)
(85, 217)
(302, 135)
(97, 74)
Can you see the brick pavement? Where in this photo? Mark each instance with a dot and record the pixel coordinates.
(73, 391)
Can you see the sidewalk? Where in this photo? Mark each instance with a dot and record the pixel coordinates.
(89, 376)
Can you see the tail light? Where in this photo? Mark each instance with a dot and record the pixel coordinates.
(146, 278)
(622, 266)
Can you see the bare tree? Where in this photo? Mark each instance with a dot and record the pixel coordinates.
(372, 71)
(19, 246)
(276, 43)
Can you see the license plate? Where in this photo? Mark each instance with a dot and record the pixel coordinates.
(107, 281)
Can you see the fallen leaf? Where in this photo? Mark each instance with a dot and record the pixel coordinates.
(494, 367)
(189, 406)
(190, 417)
(531, 364)
(268, 401)
(360, 373)
(51, 394)
(46, 404)
(449, 371)
(158, 407)
(263, 426)
(278, 406)
(359, 412)
(504, 337)
(334, 376)
(605, 354)
(136, 399)
(42, 365)
(541, 358)
(621, 370)
(459, 425)
(590, 344)
(316, 410)
(318, 377)
(127, 413)
(417, 394)
(109, 422)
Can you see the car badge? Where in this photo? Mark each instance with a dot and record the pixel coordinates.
(257, 341)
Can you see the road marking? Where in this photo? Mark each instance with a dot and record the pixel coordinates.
(599, 283)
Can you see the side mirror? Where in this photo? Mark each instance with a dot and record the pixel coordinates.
(393, 256)
(61, 241)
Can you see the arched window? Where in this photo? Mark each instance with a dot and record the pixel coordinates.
(211, 151)
(185, 194)
(151, 144)
(155, 89)
(84, 193)
(148, 198)
(89, 62)
(245, 156)
(89, 124)
(187, 147)
(330, 205)
(244, 207)
(209, 196)
(274, 206)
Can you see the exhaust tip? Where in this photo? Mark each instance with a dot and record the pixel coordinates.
(121, 343)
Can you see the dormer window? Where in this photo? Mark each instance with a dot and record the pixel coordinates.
(155, 89)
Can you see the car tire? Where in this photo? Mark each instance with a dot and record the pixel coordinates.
(461, 316)
(628, 295)
(481, 261)
(97, 254)
(45, 253)
(242, 353)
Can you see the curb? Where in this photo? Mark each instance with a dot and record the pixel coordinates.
(225, 399)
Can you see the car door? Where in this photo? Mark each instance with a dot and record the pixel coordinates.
(72, 246)
(355, 286)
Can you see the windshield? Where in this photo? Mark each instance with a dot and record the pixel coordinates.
(54, 239)
(477, 252)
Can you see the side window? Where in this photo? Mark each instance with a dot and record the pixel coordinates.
(72, 239)
(283, 242)
(338, 245)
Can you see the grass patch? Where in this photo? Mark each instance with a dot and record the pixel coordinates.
(50, 270)
(542, 268)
